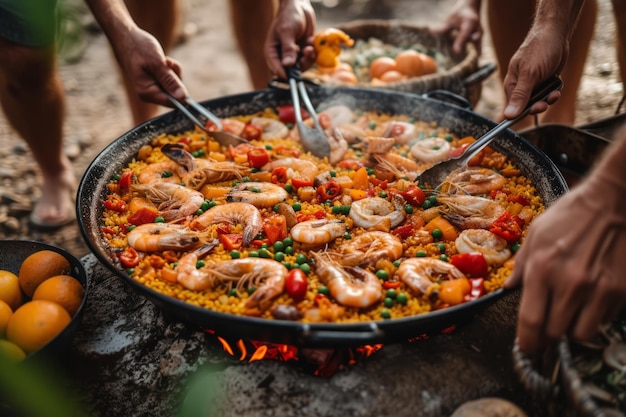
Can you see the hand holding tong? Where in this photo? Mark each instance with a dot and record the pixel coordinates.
(436, 174)
(224, 138)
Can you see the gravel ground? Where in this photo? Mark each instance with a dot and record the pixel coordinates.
(97, 112)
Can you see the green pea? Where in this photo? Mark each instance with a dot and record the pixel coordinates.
(232, 292)
(396, 263)
(159, 219)
(234, 183)
(433, 199)
(382, 274)
(254, 170)
(408, 208)
(441, 247)
(288, 188)
(336, 209)
(275, 208)
(372, 125)
(305, 268)
(166, 174)
(421, 254)
(332, 173)
(269, 147)
(402, 299)
(384, 313)
(514, 247)
(289, 250)
(200, 264)
(449, 138)
(391, 293)
(255, 190)
(253, 254)
(288, 241)
(201, 152)
(234, 254)
(131, 227)
(251, 290)
(323, 290)
(246, 179)
(195, 154)
(383, 194)
(117, 177)
(370, 171)
(301, 259)
(443, 257)
(264, 253)
(264, 246)
(205, 205)
(279, 256)
(347, 236)
(212, 203)
(279, 246)
(433, 134)
(436, 234)
(427, 204)
(199, 212)
(130, 271)
(296, 206)
(388, 302)
(287, 265)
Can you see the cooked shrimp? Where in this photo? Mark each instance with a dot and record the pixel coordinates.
(493, 247)
(354, 131)
(338, 146)
(399, 165)
(318, 231)
(166, 171)
(296, 168)
(271, 128)
(190, 276)
(378, 212)
(474, 180)
(368, 248)
(431, 150)
(233, 126)
(154, 237)
(420, 273)
(470, 212)
(259, 194)
(174, 201)
(350, 286)
(339, 115)
(401, 132)
(233, 213)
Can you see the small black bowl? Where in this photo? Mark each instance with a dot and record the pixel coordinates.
(12, 254)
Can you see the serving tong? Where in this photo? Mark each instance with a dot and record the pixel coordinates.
(224, 138)
(313, 139)
(436, 175)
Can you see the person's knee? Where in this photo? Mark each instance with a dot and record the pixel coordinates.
(27, 68)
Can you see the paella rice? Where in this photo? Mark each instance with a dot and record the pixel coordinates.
(265, 229)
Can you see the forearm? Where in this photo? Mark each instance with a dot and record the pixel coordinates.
(561, 14)
(114, 19)
(608, 177)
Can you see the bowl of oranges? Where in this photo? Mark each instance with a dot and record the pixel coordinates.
(43, 289)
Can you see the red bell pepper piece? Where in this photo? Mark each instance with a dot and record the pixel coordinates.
(231, 241)
(143, 216)
(115, 204)
(507, 227)
(403, 231)
(301, 182)
(518, 199)
(126, 180)
(275, 228)
(471, 264)
(391, 284)
(257, 157)
(251, 132)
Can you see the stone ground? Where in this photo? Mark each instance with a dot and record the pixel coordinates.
(97, 113)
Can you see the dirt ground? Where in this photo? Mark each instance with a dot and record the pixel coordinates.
(212, 67)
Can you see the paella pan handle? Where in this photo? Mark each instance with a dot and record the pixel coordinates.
(370, 333)
(449, 96)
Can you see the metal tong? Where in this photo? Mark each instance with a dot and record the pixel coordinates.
(224, 138)
(437, 174)
(313, 139)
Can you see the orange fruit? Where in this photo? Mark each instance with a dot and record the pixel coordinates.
(62, 289)
(11, 351)
(429, 65)
(5, 314)
(40, 266)
(409, 63)
(36, 323)
(10, 291)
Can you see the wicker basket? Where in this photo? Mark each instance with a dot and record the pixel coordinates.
(454, 77)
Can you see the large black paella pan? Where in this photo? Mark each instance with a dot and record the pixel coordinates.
(93, 190)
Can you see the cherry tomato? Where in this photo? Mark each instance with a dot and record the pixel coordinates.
(296, 284)
(471, 264)
(126, 180)
(414, 195)
(403, 231)
(257, 157)
(287, 114)
(329, 191)
(279, 175)
(507, 227)
(251, 132)
(129, 258)
(115, 205)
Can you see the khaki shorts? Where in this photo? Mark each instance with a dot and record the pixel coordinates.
(29, 22)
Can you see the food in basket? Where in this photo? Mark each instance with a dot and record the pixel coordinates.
(264, 229)
(343, 61)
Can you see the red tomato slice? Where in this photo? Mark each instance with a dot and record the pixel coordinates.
(143, 216)
(507, 227)
(257, 157)
(414, 195)
(296, 284)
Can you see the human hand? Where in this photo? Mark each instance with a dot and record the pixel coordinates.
(290, 36)
(150, 71)
(542, 54)
(571, 265)
(464, 22)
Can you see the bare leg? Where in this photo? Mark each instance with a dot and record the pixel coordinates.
(509, 22)
(160, 18)
(33, 101)
(251, 20)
